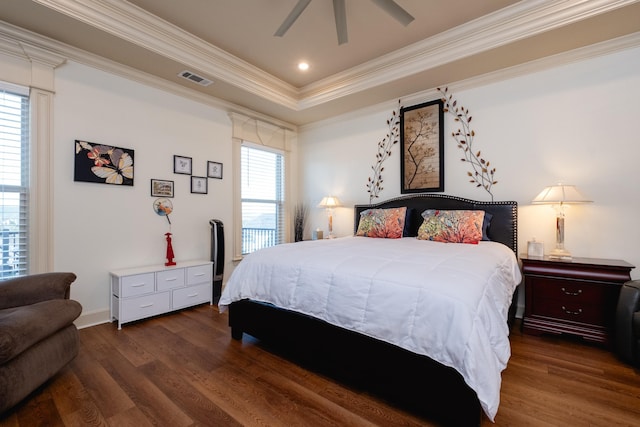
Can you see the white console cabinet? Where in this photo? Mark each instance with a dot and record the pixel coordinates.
(137, 293)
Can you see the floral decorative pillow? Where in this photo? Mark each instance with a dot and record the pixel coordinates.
(385, 223)
(455, 226)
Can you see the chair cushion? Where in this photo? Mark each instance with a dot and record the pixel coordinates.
(22, 327)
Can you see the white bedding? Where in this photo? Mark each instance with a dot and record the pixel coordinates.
(447, 301)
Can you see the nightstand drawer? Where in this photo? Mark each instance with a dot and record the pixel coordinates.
(573, 311)
(571, 291)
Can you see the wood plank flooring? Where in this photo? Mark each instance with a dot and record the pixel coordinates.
(184, 369)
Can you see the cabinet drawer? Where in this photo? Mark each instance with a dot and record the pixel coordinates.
(191, 295)
(170, 279)
(137, 284)
(144, 306)
(572, 291)
(572, 311)
(199, 274)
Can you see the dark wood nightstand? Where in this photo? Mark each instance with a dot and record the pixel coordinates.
(577, 296)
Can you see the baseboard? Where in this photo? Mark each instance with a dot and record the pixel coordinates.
(92, 318)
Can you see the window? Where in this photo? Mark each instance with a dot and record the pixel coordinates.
(262, 193)
(14, 181)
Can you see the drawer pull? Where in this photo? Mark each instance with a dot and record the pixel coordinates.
(137, 285)
(575, 313)
(199, 274)
(146, 305)
(193, 295)
(170, 279)
(572, 293)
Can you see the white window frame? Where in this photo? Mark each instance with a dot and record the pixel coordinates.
(270, 136)
(280, 201)
(34, 67)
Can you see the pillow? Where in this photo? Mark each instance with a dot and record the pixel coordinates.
(485, 226)
(385, 223)
(463, 226)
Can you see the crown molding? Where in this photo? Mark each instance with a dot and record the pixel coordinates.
(13, 39)
(128, 22)
(631, 41)
(508, 25)
(513, 23)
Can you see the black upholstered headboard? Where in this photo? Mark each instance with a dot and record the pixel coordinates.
(503, 227)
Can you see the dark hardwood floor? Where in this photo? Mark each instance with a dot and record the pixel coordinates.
(184, 369)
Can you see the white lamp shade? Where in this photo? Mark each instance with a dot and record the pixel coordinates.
(329, 202)
(560, 194)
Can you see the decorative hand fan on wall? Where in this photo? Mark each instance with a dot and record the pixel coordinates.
(340, 13)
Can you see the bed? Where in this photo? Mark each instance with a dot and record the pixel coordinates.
(390, 340)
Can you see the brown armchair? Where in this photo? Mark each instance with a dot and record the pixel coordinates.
(37, 334)
(628, 322)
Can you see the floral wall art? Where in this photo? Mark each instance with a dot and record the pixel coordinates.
(104, 164)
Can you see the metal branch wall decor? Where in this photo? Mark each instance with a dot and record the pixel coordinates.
(374, 183)
(481, 174)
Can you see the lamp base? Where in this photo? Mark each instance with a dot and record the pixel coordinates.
(560, 254)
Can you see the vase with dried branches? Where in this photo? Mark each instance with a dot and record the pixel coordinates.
(481, 174)
(300, 214)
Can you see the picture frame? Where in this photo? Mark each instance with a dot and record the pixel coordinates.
(182, 165)
(103, 164)
(161, 188)
(214, 170)
(422, 147)
(199, 184)
(535, 249)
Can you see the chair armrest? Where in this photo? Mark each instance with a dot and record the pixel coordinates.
(628, 306)
(31, 289)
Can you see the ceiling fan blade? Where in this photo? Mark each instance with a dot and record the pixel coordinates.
(340, 13)
(291, 18)
(393, 9)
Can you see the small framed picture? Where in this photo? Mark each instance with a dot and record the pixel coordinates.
(182, 165)
(214, 170)
(535, 249)
(199, 184)
(161, 188)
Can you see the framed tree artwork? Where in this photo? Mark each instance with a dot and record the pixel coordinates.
(422, 147)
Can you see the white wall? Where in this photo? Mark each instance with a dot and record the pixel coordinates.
(99, 227)
(574, 124)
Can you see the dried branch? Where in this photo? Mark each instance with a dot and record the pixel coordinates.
(374, 183)
(481, 174)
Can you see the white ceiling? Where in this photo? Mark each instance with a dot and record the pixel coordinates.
(231, 42)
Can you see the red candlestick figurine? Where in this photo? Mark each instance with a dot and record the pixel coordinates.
(170, 255)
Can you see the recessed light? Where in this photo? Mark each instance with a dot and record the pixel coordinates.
(303, 66)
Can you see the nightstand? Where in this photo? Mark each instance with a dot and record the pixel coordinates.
(577, 296)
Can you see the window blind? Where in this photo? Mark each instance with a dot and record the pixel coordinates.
(262, 188)
(14, 181)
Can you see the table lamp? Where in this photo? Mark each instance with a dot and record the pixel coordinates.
(329, 203)
(560, 195)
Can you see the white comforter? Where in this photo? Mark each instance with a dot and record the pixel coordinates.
(447, 301)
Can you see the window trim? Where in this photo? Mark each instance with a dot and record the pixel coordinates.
(280, 200)
(267, 135)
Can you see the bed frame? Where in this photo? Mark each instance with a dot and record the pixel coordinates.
(405, 379)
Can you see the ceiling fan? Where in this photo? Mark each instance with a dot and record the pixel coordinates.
(339, 11)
